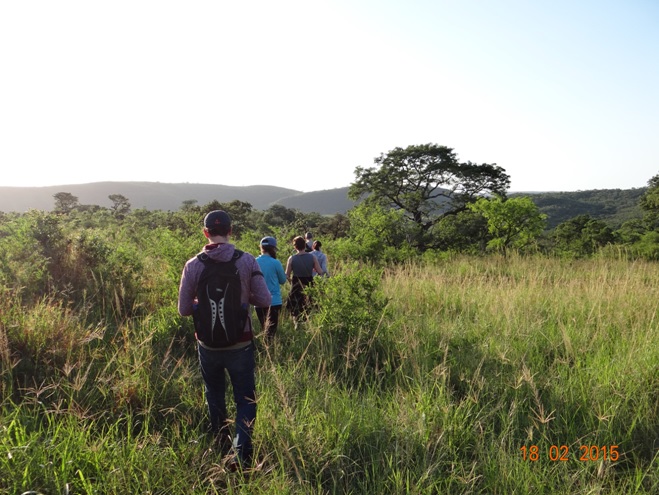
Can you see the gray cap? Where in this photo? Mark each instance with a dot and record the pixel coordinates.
(269, 241)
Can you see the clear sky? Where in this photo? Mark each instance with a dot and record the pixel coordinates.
(563, 94)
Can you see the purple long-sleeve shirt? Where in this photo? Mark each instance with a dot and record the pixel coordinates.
(254, 290)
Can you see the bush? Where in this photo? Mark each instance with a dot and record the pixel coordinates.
(648, 246)
(349, 312)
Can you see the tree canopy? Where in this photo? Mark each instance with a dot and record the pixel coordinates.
(120, 204)
(515, 222)
(582, 235)
(427, 182)
(650, 204)
(65, 202)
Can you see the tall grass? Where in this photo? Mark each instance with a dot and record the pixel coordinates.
(565, 354)
(425, 378)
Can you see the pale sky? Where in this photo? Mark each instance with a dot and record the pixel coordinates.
(563, 94)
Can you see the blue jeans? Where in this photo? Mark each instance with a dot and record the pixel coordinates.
(240, 365)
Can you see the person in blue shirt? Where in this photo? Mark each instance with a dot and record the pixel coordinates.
(274, 275)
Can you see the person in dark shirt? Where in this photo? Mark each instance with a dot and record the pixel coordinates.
(300, 268)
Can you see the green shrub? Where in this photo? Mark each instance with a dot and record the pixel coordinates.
(350, 314)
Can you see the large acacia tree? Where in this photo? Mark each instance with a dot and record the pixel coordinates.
(120, 205)
(427, 182)
(65, 202)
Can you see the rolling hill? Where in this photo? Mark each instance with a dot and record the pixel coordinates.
(613, 206)
(164, 196)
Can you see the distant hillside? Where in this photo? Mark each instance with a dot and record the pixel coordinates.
(327, 202)
(613, 206)
(149, 195)
(164, 196)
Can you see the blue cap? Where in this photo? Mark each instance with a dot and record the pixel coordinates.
(269, 241)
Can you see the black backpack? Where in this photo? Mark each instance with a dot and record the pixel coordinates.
(219, 318)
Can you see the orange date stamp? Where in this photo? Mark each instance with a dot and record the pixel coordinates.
(561, 453)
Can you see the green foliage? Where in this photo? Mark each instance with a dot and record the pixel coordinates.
(650, 204)
(465, 232)
(349, 312)
(650, 199)
(322, 228)
(426, 183)
(612, 206)
(582, 236)
(109, 268)
(513, 223)
(630, 231)
(373, 226)
(647, 246)
(120, 205)
(334, 227)
(279, 216)
(350, 303)
(189, 205)
(377, 234)
(65, 202)
(32, 245)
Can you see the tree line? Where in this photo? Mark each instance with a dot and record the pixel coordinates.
(423, 199)
(423, 196)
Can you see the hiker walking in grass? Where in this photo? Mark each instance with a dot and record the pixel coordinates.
(299, 271)
(321, 257)
(217, 287)
(274, 275)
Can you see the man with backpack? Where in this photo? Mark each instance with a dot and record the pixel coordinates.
(217, 287)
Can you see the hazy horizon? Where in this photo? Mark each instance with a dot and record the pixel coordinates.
(511, 191)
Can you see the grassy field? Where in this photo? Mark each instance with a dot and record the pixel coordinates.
(465, 375)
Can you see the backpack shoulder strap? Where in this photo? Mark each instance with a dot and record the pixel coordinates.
(205, 259)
